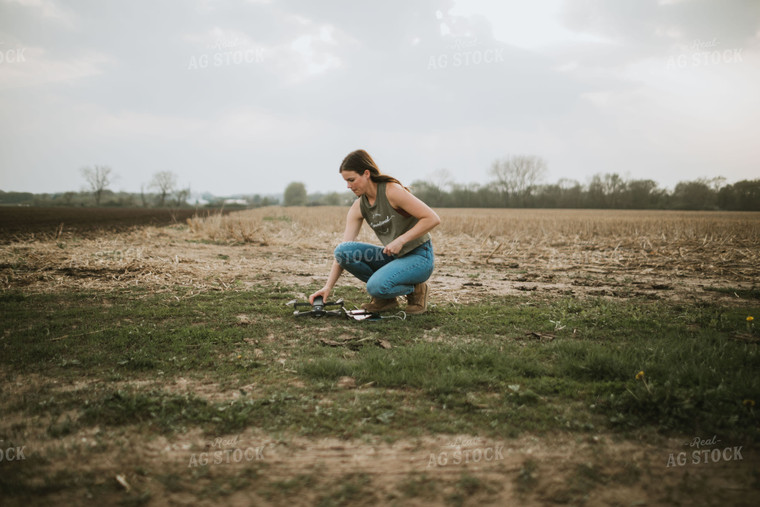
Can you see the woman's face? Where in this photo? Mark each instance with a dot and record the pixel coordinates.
(357, 183)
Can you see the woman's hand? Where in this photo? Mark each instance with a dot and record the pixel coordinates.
(324, 292)
(394, 247)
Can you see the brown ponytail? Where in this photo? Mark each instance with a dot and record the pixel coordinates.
(359, 161)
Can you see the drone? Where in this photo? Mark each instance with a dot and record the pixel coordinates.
(320, 308)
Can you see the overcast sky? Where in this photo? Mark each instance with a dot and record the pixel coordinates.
(247, 96)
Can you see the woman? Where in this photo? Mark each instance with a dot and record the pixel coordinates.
(401, 222)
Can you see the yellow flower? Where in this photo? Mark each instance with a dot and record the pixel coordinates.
(748, 403)
(640, 375)
(750, 318)
(239, 357)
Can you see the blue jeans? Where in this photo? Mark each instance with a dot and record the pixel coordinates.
(386, 276)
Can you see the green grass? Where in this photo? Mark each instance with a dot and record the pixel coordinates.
(753, 293)
(471, 368)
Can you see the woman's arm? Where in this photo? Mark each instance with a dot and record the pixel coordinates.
(428, 219)
(353, 226)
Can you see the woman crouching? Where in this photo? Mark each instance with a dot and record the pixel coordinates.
(401, 222)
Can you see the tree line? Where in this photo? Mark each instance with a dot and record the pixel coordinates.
(516, 184)
(161, 191)
(605, 191)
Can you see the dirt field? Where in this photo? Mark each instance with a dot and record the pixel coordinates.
(658, 255)
(20, 223)
(689, 257)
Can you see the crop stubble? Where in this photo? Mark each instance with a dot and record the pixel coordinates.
(653, 254)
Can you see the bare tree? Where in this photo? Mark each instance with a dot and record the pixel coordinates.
(98, 177)
(441, 178)
(143, 197)
(714, 183)
(181, 196)
(567, 183)
(164, 182)
(613, 184)
(516, 175)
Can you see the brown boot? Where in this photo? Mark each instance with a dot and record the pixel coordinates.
(380, 305)
(416, 302)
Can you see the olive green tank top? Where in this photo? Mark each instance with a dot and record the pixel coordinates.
(388, 222)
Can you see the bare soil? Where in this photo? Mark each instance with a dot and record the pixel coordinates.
(466, 269)
(561, 468)
(18, 223)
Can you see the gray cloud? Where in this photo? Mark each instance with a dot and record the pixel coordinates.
(249, 95)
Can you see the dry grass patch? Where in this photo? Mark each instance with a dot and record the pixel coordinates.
(478, 252)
